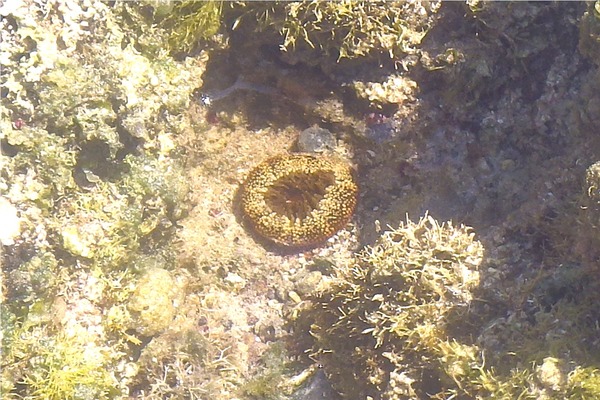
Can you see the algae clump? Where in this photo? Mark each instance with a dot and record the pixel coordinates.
(414, 314)
(88, 132)
(351, 29)
(400, 301)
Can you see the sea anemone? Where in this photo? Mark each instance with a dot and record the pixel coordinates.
(299, 200)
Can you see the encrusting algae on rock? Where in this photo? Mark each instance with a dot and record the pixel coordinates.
(151, 304)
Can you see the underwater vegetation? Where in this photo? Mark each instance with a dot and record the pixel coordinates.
(348, 29)
(340, 30)
(89, 172)
(188, 22)
(333, 36)
(406, 314)
(393, 308)
(111, 172)
(299, 200)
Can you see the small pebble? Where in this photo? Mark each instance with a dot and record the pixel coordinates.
(316, 140)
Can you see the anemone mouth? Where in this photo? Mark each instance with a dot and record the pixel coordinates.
(297, 195)
(299, 200)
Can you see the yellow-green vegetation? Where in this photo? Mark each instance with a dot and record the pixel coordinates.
(394, 307)
(511, 361)
(65, 365)
(350, 29)
(190, 21)
(96, 126)
(341, 29)
(58, 351)
(406, 314)
(404, 309)
(88, 134)
(184, 24)
(317, 33)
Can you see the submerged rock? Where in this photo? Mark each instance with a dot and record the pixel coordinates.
(316, 140)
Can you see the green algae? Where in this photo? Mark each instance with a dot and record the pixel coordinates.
(93, 112)
(65, 367)
(350, 29)
(396, 304)
(408, 313)
(86, 203)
